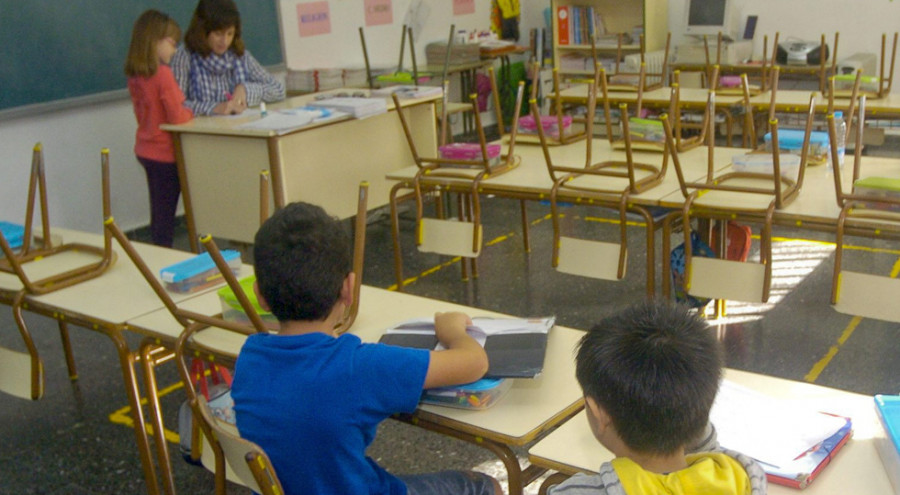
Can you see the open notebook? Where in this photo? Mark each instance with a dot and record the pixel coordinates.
(515, 346)
(792, 443)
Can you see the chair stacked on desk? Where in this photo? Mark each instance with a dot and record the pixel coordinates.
(864, 212)
(747, 196)
(877, 85)
(608, 184)
(463, 238)
(81, 262)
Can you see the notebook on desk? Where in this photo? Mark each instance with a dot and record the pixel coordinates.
(515, 346)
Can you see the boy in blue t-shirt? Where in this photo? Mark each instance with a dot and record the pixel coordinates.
(312, 399)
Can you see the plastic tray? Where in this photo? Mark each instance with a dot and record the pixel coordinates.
(232, 310)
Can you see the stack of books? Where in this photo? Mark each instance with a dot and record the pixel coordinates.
(357, 107)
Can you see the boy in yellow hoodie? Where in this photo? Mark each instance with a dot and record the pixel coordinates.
(650, 375)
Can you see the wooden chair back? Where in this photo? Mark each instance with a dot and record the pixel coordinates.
(621, 80)
(246, 460)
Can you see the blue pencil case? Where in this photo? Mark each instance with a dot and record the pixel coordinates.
(14, 234)
(199, 272)
(481, 394)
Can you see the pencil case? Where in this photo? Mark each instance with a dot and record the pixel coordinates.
(879, 188)
(730, 81)
(476, 395)
(791, 141)
(646, 129)
(470, 151)
(232, 310)
(845, 82)
(550, 124)
(199, 272)
(14, 234)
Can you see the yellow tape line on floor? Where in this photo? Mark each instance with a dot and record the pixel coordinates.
(123, 415)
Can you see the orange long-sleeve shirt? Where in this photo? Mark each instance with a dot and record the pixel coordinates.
(157, 100)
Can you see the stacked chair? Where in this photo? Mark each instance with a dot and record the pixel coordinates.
(870, 208)
(747, 196)
(438, 234)
(81, 262)
(608, 184)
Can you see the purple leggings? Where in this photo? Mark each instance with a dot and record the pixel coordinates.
(162, 181)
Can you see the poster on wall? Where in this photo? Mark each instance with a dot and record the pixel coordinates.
(463, 7)
(313, 18)
(379, 12)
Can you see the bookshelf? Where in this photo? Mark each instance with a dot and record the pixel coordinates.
(571, 43)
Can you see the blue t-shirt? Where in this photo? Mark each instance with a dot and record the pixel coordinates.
(313, 403)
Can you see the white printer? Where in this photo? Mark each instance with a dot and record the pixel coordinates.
(795, 52)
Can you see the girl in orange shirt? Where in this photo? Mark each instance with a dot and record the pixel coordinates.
(157, 100)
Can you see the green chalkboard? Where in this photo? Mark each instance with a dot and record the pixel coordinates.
(59, 49)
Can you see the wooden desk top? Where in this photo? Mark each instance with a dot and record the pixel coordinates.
(856, 469)
(118, 295)
(532, 178)
(660, 97)
(228, 124)
(531, 406)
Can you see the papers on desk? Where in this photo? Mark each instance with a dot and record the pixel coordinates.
(406, 91)
(284, 121)
(357, 107)
(515, 346)
(791, 443)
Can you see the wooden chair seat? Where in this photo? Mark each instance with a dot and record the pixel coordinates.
(609, 184)
(718, 199)
(726, 279)
(16, 372)
(450, 237)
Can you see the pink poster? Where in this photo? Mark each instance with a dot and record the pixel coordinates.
(379, 12)
(313, 18)
(463, 7)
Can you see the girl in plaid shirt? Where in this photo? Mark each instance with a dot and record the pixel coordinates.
(214, 70)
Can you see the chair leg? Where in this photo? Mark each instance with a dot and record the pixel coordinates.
(460, 212)
(395, 236)
(37, 366)
(838, 255)
(526, 240)
(67, 350)
(151, 356)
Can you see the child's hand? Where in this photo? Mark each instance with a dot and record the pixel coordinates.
(450, 326)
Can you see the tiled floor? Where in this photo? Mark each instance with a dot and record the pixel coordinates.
(70, 442)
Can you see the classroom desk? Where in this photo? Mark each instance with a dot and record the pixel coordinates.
(856, 469)
(219, 163)
(104, 304)
(756, 69)
(530, 409)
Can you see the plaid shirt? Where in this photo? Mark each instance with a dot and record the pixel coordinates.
(260, 85)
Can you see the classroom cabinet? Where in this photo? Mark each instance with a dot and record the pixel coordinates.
(574, 21)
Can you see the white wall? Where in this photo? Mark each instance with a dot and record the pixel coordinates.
(860, 23)
(72, 140)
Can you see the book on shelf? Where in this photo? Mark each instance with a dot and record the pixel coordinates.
(792, 443)
(515, 346)
(888, 409)
(577, 24)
